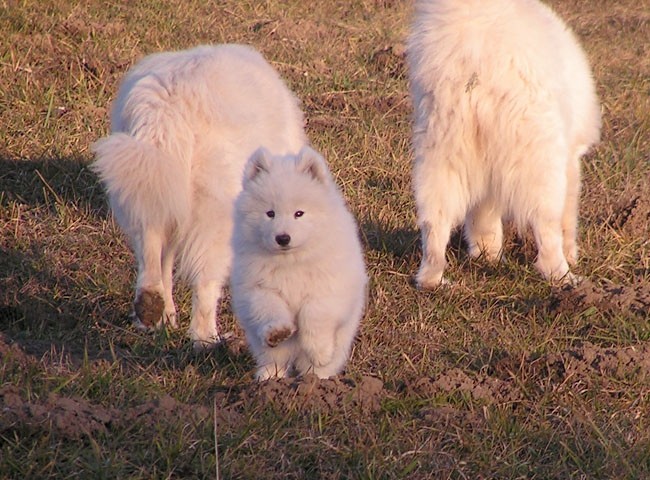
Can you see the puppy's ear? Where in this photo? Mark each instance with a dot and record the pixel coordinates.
(313, 164)
(257, 163)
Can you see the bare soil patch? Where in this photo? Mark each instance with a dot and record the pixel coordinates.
(609, 298)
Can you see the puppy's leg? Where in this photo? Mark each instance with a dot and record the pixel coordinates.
(570, 215)
(317, 352)
(327, 359)
(150, 293)
(326, 329)
(266, 318)
(269, 327)
(275, 362)
(484, 231)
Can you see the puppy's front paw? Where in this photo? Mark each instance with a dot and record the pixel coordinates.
(278, 335)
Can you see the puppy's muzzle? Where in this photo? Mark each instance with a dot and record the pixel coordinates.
(283, 239)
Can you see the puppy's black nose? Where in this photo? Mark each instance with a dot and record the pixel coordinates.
(283, 239)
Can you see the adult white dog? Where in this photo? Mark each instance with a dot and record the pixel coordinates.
(299, 281)
(504, 109)
(183, 126)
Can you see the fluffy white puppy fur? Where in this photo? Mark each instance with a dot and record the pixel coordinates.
(298, 282)
(183, 126)
(504, 108)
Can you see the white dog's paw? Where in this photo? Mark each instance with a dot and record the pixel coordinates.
(210, 342)
(423, 282)
(571, 280)
(274, 336)
(169, 319)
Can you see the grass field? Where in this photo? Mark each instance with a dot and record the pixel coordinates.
(500, 376)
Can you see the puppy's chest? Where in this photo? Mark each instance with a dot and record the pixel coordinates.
(294, 285)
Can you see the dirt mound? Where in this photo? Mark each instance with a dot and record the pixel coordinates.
(73, 417)
(480, 387)
(588, 360)
(608, 298)
(630, 213)
(10, 350)
(510, 379)
(68, 417)
(309, 394)
(585, 363)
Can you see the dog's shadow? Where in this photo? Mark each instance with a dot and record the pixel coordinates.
(52, 214)
(404, 247)
(40, 303)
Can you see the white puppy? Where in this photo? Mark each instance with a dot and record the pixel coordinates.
(299, 282)
(504, 109)
(183, 126)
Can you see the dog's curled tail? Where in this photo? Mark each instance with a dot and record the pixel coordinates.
(147, 187)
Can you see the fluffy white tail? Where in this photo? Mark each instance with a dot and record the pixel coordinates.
(147, 187)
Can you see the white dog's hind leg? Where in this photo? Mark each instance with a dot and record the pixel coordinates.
(547, 228)
(570, 215)
(546, 202)
(484, 231)
(442, 204)
(434, 244)
(150, 293)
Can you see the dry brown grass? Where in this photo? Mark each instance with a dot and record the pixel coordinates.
(499, 377)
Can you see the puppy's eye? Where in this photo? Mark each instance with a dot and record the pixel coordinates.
(270, 214)
(298, 214)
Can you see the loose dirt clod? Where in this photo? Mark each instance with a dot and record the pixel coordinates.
(313, 394)
(608, 298)
(277, 336)
(149, 308)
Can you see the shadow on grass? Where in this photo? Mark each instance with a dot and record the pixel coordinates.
(404, 243)
(43, 181)
(40, 310)
(62, 285)
(46, 293)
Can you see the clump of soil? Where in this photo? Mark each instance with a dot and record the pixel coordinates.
(149, 308)
(480, 387)
(587, 360)
(310, 393)
(68, 417)
(631, 212)
(390, 60)
(74, 417)
(609, 298)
